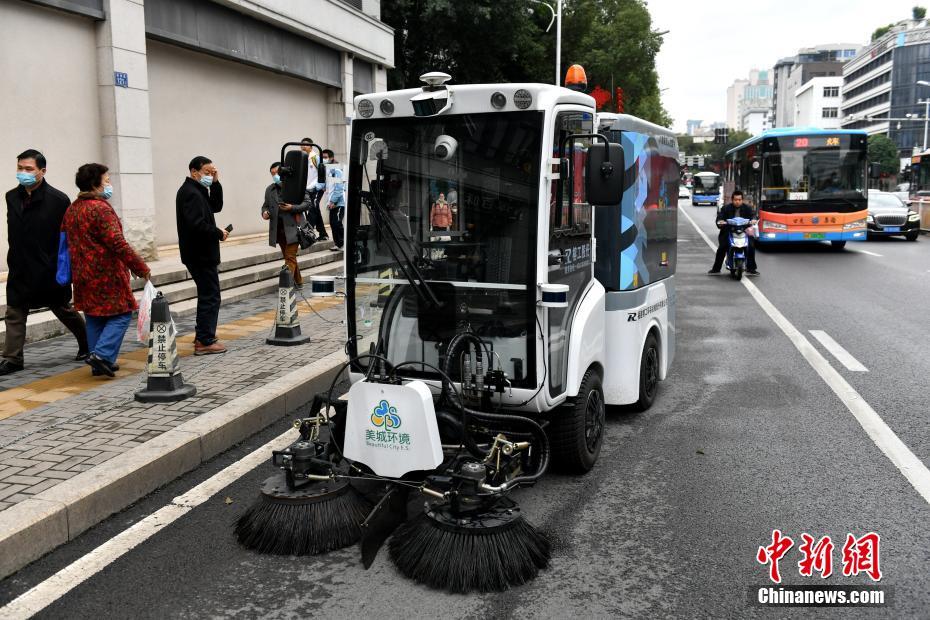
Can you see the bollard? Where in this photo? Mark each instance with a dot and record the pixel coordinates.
(286, 326)
(165, 383)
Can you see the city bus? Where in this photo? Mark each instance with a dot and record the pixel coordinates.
(806, 184)
(706, 189)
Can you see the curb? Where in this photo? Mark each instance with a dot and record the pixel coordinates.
(35, 526)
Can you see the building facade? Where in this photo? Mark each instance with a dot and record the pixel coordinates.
(881, 93)
(817, 103)
(790, 74)
(734, 101)
(145, 85)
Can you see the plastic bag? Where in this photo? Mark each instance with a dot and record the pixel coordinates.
(63, 270)
(145, 312)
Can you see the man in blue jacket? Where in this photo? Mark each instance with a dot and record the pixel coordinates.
(199, 197)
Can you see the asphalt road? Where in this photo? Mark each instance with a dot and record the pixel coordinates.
(745, 437)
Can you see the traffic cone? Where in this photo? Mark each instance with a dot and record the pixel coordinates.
(165, 383)
(286, 326)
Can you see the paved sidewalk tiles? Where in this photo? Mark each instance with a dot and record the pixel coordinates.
(56, 420)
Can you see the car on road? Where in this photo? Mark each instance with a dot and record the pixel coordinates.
(684, 192)
(889, 216)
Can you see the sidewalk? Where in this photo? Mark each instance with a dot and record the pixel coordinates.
(63, 431)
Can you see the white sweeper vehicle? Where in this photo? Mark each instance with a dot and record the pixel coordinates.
(510, 261)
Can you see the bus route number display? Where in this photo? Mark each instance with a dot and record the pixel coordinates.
(814, 142)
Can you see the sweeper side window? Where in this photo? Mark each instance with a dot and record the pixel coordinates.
(449, 243)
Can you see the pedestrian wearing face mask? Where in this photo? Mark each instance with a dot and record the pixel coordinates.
(199, 197)
(101, 260)
(34, 210)
(283, 220)
(336, 197)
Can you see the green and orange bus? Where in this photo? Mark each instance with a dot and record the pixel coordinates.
(806, 184)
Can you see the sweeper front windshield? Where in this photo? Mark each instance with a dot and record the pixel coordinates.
(441, 237)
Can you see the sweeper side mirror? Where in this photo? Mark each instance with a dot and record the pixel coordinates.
(294, 171)
(604, 177)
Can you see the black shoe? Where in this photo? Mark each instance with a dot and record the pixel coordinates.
(81, 356)
(96, 373)
(7, 367)
(713, 272)
(323, 238)
(752, 272)
(298, 285)
(336, 248)
(100, 365)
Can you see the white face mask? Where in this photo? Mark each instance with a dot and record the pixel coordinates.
(325, 160)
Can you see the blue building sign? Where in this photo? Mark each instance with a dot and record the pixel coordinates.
(121, 79)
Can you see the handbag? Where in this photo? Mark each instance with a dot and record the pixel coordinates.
(306, 236)
(63, 270)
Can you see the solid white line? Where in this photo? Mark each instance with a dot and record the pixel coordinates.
(866, 252)
(897, 452)
(843, 356)
(44, 594)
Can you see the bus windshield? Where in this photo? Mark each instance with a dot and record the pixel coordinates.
(813, 169)
(706, 184)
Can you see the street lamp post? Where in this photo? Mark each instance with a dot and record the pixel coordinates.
(557, 18)
(926, 110)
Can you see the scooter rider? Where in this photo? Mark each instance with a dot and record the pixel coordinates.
(736, 207)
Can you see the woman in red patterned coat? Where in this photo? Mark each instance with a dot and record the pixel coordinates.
(101, 260)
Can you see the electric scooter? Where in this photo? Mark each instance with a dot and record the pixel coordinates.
(739, 245)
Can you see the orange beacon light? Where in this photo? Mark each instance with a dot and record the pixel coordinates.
(575, 78)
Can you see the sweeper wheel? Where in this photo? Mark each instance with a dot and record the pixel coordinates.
(489, 552)
(319, 517)
(577, 429)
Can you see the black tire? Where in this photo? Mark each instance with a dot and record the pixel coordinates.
(648, 374)
(838, 245)
(577, 429)
(912, 235)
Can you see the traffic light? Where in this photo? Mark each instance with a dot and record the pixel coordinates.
(619, 99)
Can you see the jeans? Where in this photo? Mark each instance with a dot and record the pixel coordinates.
(335, 223)
(105, 334)
(207, 279)
(16, 330)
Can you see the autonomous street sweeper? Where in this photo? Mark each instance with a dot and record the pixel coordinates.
(510, 273)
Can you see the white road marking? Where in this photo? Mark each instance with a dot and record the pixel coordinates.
(891, 446)
(866, 252)
(843, 356)
(44, 594)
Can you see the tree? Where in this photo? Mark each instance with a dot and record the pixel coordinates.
(883, 151)
(881, 31)
(919, 12)
(505, 41)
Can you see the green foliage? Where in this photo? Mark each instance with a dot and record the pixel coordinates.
(883, 151)
(713, 153)
(486, 41)
(919, 12)
(881, 31)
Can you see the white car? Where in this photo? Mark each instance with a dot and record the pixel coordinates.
(684, 192)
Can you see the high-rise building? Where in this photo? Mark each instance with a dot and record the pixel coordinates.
(882, 84)
(734, 101)
(817, 103)
(790, 73)
(753, 95)
(693, 125)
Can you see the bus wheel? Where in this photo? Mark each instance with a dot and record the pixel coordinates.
(648, 374)
(838, 245)
(577, 430)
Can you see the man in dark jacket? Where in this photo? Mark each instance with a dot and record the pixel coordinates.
(736, 207)
(199, 197)
(283, 220)
(34, 211)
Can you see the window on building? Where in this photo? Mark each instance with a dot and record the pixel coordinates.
(830, 112)
(831, 91)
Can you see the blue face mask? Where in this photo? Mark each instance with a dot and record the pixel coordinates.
(277, 179)
(206, 180)
(26, 179)
(107, 192)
